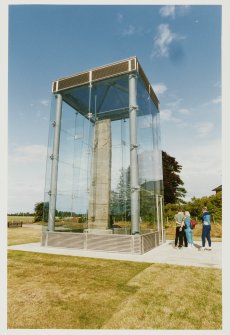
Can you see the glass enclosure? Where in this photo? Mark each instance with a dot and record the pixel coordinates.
(94, 164)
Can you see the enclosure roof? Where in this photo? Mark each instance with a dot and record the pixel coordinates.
(125, 66)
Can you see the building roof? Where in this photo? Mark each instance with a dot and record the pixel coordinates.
(126, 66)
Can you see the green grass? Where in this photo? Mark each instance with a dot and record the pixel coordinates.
(65, 292)
(52, 291)
(171, 297)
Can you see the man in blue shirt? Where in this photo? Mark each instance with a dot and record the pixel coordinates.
(206, 228)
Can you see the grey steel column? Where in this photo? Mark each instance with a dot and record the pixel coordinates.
(158, 218)
(162, 223)
(54, 167)
(135, 206)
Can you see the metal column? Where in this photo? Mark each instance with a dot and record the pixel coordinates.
(135, 207)
(162, 223)
(54, 167)
(158, 218)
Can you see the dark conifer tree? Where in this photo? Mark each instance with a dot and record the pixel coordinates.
(174, 192)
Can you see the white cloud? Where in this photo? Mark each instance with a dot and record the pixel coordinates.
(167, 115)
(205, 159)
(166, 11)
(174, 113)
(159, 88)
(45, 102)
(29, 153)
(201, 166)
(163, 40)
(217, 100)
(26, 187)
(173, 11)
(184, 111)
(174, 104)
(22, 198)
(203, 128)
(214, 101)
(129, 31)
(27, 165)
(183, 10)
(40, 108)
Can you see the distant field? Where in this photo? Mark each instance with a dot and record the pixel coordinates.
(24, 219)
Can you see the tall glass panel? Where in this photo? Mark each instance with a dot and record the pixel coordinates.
(149, 160)
(73, 170)
(93, 186)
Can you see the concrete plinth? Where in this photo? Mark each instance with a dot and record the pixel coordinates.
(130, 244)
(99, 196)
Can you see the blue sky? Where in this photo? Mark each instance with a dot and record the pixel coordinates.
(179, 48)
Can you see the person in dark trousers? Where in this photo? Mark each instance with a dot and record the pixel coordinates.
(206, 228)
(179, 219)
(185, 236)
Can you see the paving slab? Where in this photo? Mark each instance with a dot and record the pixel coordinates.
(165, 254)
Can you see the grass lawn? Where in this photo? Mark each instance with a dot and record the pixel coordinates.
(23, 235)
(64, 292)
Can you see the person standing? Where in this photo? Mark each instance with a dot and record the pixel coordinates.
(206, 228)
(179, 219)
(185, 236)
(188, 230)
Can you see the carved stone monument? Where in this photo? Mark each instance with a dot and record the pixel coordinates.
(99, 195)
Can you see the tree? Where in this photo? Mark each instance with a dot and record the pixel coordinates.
(213, 202)
(174, 191)
(41, 211)
(195, 205)
(120, 198)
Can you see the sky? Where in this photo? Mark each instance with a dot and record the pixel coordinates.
(179, 48)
